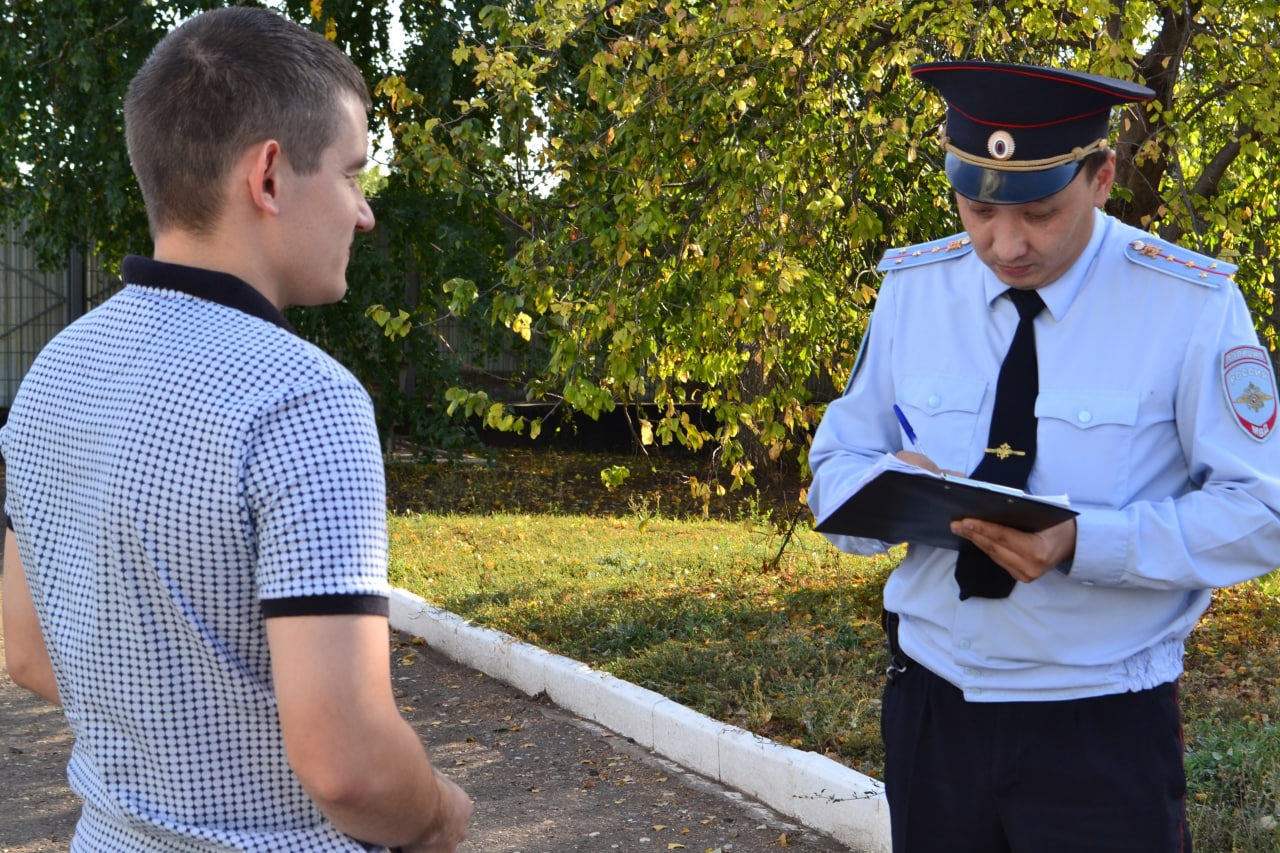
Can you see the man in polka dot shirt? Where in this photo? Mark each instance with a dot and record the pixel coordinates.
(195, 561)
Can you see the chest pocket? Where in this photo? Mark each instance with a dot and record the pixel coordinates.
(944, 412)
(1085, 442)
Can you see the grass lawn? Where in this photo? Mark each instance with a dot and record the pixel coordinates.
(737, 609)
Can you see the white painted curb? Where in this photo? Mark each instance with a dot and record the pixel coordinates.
(810, 788)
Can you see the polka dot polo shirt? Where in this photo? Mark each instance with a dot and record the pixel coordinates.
(180, 467)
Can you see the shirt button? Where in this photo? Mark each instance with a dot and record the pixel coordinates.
(935, 401)
(971, 672)
(963, 645)
(1085, 416)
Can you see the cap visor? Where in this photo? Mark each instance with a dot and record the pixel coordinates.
(989, 186)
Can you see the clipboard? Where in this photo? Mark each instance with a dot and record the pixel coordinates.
(897, 502)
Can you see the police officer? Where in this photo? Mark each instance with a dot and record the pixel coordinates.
(1032, 701)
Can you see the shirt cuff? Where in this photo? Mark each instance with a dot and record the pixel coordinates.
(1102, 548)
(354, 604)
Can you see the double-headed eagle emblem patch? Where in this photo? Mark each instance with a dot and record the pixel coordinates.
(1250, 385)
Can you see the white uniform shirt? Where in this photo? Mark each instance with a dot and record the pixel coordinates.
(1135, 426)
(178, 469)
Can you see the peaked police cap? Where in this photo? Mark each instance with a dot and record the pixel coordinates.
(1018, 133)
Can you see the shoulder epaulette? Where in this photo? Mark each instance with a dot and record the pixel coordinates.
(1172, 259)
(956, 246)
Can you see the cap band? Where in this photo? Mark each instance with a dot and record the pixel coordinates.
(1075, 155)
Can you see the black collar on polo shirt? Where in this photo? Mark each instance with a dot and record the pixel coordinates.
(220, 287)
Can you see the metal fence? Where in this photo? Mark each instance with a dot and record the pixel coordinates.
(36, 304)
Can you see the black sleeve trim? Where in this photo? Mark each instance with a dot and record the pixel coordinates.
(327, 605)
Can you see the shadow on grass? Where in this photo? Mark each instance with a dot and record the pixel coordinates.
(556, 483)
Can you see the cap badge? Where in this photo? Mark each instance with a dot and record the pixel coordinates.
(1000, 145)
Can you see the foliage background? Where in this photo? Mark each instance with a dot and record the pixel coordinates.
(669, 208)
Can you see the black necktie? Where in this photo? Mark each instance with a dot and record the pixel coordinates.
(1011, 443)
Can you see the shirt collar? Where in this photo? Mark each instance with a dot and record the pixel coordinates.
(222, 288)
(1058, 295)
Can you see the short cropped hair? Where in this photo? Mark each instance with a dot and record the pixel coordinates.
(1093, 162)
(219, 83)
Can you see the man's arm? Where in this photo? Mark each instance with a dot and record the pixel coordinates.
(25, 654)
(356, 756)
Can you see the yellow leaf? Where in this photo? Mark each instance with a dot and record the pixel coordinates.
(331, 29)
(522, 325)
(317, 7)
(675, 845)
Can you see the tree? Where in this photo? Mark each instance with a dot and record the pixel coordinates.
(703, 189)
(430, 240)
(673, 207)
(64, 68)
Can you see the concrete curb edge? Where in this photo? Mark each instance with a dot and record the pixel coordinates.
(810, 788)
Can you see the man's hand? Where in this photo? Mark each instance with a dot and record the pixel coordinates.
(1026, 556)
(455, 807)
(919, 460)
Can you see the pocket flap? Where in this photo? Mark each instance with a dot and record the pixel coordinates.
(1088, 409)
(937, 394)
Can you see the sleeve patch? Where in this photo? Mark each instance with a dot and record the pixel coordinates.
(1250, 386)
(956, 246)
(1172, 259)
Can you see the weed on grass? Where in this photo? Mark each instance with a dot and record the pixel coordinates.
(693, 601)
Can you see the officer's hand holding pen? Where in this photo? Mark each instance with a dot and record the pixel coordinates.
(916, 456)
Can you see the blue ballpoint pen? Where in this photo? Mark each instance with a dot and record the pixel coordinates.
(906, 427)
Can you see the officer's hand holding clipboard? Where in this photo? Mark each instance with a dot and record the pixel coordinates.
(899, 502)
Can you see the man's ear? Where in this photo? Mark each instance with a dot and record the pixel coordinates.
(1104, 179)
(265, 164)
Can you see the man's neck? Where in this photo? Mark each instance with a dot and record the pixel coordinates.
(217, 252)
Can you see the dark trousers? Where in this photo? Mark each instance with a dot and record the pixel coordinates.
(1098, 774)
